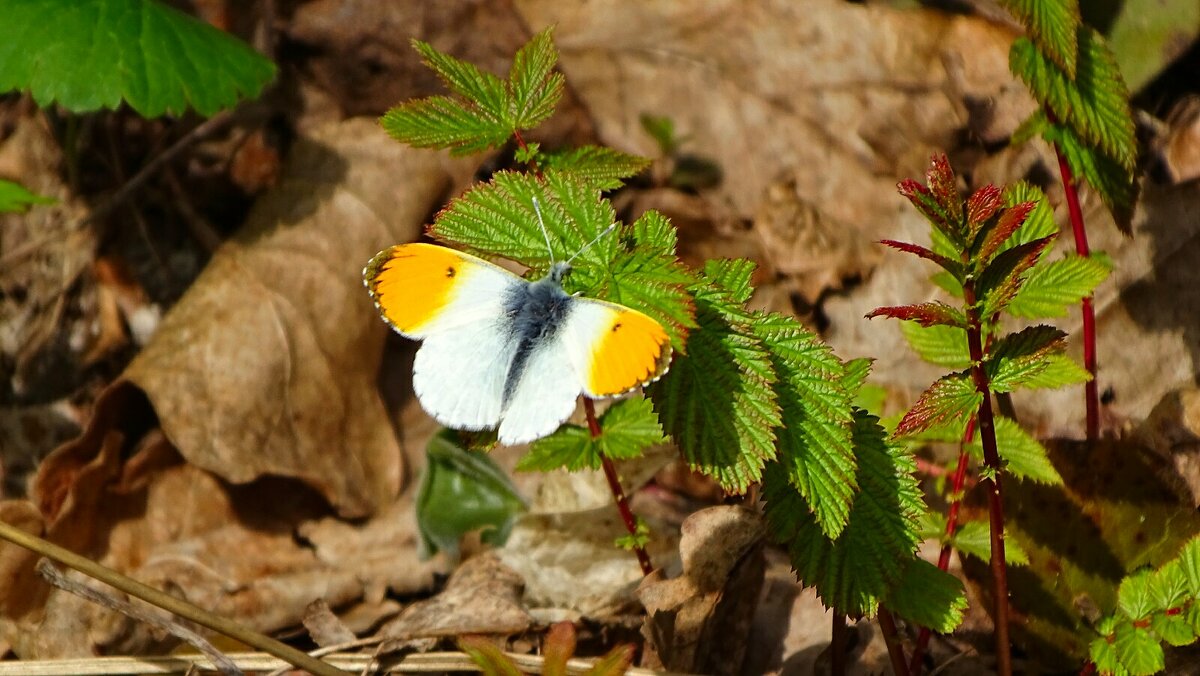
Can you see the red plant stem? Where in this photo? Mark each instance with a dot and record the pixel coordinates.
(991, 482)
(887, 625)
(614, 485)
(957, 483)
(837, 644)
(1091, 390)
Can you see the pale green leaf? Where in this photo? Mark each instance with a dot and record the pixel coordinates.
(627, 429)
(1059, 371)
(1138, 650)
(974, 538)
(1023, 455)
(442, 122)
(942, 345)
(603, 168)
(1133, 596)
(482, 90)
(91, 54)
(1052, 287)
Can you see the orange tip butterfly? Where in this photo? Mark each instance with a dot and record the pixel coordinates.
(499, 351)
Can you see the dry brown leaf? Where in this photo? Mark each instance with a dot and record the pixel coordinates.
(324, 627)
(698, 622)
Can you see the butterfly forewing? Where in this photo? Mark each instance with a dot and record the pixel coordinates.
(614, 348)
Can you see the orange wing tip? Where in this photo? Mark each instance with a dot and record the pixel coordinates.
(412, 284)
(632, 352)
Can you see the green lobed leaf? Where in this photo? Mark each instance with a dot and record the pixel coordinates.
(1095, 103)
(603, 168)
(1138, 650)
(1104, 654)
(442, 122)
(1052, 25)
(717, 400)
(1059, 371)
(861, 567)
(627, 429)
(935, 313)
(814, 439)
(14, 198)
(483, 90)
(1133, 596)
(1004, 275)
(1189, 565)
(1117, 186)
(533, 89)
(1024, 457)
(974, 538)
(1052, 287)
(950, 399)
(928, 597)
(1174, 629)
(1017, 357)
(941, 345)
(91, 54)
(462, 491)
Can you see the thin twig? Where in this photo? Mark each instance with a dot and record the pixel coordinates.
(167, 602)
(891, 638)
(614, 485)
(55, 577)
(838, 643)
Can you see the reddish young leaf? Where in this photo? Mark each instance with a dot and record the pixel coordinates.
(1002, 278)
(490, 659)
(926, 314)
(1012, 218)
(950, 398)
(942, 184)
(983, 205)
(558, 647)
(1020, 356)
(948, 264)
(928, 205)
(615, 663)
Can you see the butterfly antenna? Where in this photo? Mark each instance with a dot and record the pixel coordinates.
(594, 240)
(537, 208)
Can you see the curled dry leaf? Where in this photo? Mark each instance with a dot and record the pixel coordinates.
(698, 622)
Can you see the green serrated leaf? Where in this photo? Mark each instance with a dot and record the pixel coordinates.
(1031, 128)
(928, 597)
(442, 122)
(1138, 650)
(1023, 456)
(1004, 275)
(1052, 25)
(1169, 586)
(717, 401)
(533, 89)
(627, 429)
(1133, 597)
(1189, 565)
(14, 198)
(732, 275)
(1018, 357)
(1038, 224)
(974, 538)
(1104, 655)
(950, 399)
(941, 345)
(857, 570)
(1059, 371)
(462, 491)
(1095, 103)
(1174, 629)
(91, 54)
(604, 168)
(1051, 288)
(481, 89)
(815, 445)
(1117, 186)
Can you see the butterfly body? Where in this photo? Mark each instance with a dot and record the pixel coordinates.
(501, 351)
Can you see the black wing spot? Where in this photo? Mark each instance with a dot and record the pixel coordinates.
(450, 271)
(616, 326)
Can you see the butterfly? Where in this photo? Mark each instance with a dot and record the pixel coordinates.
(499, 351)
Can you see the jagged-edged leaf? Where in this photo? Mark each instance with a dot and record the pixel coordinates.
(855, 375)
(1102, 651)
(533, 89)
(1002, 229)
(462, 491)
(442, 122)
(1168, 586)
(732, 275)
(925, 202)
(814, 440)
(1189, 565)
(14, 198)
(717, 401)
(1038, 223)
(861, 567)
(941, 345)
(1095, 102)
(1024, 457)
(948, 264)
(1052, 25)
(949, 399)
(1117, 186)
(1060, 371)
(1133, 596)
(934, 313)
(1031, 128)
(974, 538)
(1017, 357)
(483, 90)
(627, 429)
(944, 186)
(92, 54)
(982, 205)
(928, 597)
(604, 168)
(1053, 287)
(1003, 277)
(1174, 629)
(1138, 650)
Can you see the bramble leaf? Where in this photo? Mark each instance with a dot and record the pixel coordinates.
(1019, 356)
(925, 202)
(14, 198)
(717, 401)
(1095, 102)
(982, 205)
(1060, 371)
(442, 122)
(950, 265)
(732, 275)
(935, 313)
(91, 54)
(533, 90)
(858, 569)
(1024, 457)
(1138, 650)
(928, 596)
(1051, 288)
(627, 429)
(603, 168)
(1133, 596)
(1040, 221)
(974, 538)
(948, 399)
(941, 345)
(944, 187)
(484, 90)
(1003, 277)
(815, 445)
(1000, 232)
(1052, 25)
(1117, 187)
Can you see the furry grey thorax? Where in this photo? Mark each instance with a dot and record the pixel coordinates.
(535, 313)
